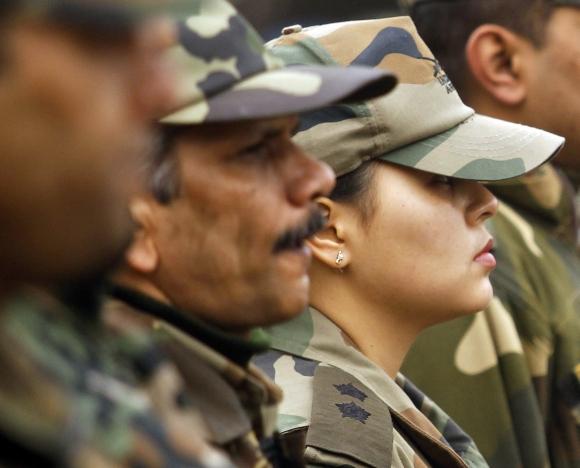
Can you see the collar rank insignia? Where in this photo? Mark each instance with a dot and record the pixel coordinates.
(353, 411)
(352, 391)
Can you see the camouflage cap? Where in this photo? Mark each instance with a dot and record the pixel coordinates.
(422, 124)
(226, 74)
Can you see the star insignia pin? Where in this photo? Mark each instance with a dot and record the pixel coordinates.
(352, 391)
(353, 411)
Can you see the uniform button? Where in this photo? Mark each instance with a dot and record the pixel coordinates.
(291, 29)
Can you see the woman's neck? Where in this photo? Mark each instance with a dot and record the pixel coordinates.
(379, 332)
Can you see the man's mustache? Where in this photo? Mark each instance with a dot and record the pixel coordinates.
(294, 238)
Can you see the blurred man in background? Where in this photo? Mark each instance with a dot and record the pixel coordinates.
(510, 376)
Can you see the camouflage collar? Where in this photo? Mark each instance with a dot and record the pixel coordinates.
(236, 349)
(545, 195)
(314, 336)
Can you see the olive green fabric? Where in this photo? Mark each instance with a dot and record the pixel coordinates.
(510, 375)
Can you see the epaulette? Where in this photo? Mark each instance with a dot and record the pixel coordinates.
(350, 425)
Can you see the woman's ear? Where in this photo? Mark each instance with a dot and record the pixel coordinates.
(142, 255)
(328, 245)
(496, 58)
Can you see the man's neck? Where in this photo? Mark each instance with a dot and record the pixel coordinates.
(131, 281)
(149, 301)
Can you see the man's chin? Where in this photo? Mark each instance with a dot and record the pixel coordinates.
(294, 263)
(89, 280)
(293, 301)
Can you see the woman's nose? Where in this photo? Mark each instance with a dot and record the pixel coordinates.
(482, 204)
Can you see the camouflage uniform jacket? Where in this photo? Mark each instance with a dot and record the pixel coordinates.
(340, 409)
(515, 367)
(73, 395)
(236, 402)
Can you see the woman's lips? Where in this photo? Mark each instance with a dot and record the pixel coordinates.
(485, 257)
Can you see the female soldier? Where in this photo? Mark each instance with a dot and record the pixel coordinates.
(405, 247)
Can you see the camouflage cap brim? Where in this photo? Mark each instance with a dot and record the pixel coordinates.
(286, 91)
(480, 148)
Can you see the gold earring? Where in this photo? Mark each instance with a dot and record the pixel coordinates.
(339, 257)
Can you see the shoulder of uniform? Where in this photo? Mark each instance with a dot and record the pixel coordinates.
(210, 394)
(293, 374)
(349, 423)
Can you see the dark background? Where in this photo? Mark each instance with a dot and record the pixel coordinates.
(270, 16)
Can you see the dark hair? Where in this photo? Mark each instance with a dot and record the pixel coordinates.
(163, 177)
(7, 10)
(356, 188)
(445, 25)
(8, 7)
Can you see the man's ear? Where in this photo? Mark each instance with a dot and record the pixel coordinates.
(328, 245)
(142, 255)
(496, 58)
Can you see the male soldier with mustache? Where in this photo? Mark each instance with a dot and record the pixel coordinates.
(220, 246)
(80, 83)
(515, 367)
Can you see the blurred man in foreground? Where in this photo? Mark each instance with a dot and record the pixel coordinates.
(80, 84)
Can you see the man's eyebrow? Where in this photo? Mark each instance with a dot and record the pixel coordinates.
(268, 133)
(295, 128)
(273, 130)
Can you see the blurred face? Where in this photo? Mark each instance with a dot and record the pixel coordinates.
(75, 112)
(425, 250)
(231, 246)
(554, 93)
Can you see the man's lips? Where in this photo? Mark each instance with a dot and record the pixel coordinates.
(485, 257)
(295, 261)
(293, 239)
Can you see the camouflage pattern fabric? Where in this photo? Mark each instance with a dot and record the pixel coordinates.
(349, 411)
(422, 124)
(237, 404)
(73, 395)
(226, 74)
(519, 360)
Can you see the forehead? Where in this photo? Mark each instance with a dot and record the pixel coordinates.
(101, 23)
(224, 133)
(564, 20)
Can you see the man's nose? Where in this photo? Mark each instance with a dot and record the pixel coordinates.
(310, 179)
